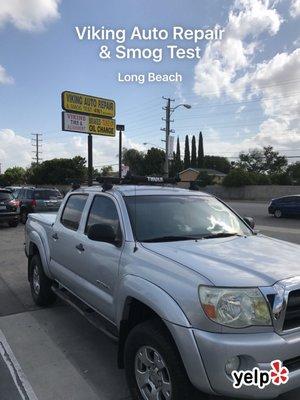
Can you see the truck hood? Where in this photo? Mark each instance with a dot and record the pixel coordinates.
(235, 261)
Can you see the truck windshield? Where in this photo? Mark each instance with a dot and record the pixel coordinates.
(167, 218)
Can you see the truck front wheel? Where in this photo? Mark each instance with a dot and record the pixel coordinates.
(153, 366)
(40, 284)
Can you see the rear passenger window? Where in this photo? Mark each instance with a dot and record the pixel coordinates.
(103, 211)
(73, 210)
(29, 194)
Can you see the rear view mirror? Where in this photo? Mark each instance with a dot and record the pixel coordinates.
(250, 222)
(102, 233)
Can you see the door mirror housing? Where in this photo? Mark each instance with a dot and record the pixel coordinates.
(103, 233)
(250, 222)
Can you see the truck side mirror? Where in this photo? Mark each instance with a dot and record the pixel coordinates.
(250, 222)
(102, 233)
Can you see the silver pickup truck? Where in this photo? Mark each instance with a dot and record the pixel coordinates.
(198, 301)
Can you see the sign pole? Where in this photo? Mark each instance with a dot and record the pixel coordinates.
(120, 154)
(120, 128)
(90, 160)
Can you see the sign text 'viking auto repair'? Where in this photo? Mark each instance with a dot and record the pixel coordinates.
(88, 114)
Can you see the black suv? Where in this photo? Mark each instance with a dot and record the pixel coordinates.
(9, 208)
(38, 200)
(285, 206)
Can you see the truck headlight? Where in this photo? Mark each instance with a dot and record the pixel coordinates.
(236, 308)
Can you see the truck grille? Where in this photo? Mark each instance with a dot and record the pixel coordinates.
(292, 315)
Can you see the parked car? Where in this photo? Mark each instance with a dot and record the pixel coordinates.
(9, 208)
(38, 200)
(285, 206)
(190, 292)
(14, 190)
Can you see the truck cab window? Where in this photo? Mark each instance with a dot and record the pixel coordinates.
(103, 211)
(73, 210)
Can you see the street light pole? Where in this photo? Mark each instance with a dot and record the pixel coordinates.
(167, 131)
(169, 111)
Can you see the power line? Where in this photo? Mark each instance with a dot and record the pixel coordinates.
(279, 83)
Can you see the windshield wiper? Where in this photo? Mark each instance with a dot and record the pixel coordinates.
(170, 239)
(220, 235)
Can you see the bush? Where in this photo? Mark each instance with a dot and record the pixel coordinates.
(204, 179)
(237, 178)
(281, 179)
(259, 179)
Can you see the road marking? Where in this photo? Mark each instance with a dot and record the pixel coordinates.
(278, 229)
(19, 378)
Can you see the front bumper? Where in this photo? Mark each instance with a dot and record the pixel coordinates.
(255, 350)
(271, 209)
(9, 216)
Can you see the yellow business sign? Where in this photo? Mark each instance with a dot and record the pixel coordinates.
(82, 103)
(83, 123)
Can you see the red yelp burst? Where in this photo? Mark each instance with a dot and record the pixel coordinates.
(279, 374)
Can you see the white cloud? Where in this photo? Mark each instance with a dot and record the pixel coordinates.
(295, 8)
(14, 150)
(219, 70)
(234, 70)
(17, 149)
(28, 15)
(4, 77)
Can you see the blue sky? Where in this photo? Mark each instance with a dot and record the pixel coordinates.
(244, 90)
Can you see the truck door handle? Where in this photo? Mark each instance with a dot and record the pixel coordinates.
(79, 247)
(55, 236)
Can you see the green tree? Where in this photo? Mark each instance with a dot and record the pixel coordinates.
(200, 159)
(134, 160)
(58, 171)
(194, 153)
(14, 176)
(106, 170)
(153, 162)
(187, 157)
(263, 161)
(177, 165)
(294, 172)
(218, 163)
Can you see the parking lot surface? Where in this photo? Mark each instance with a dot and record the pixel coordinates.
(55, 353)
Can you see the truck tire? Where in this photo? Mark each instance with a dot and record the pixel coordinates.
(278, 213)
(13, 224)
(153, 365)
(40, 284)
(23, 217)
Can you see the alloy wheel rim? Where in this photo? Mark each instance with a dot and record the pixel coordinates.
(152, 375)
(36, 280)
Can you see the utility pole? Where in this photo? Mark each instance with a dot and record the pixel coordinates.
(167, 131)
(36, 142)
(169, 110)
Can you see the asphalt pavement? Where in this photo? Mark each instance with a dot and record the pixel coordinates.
(283, 228)
(54, 353)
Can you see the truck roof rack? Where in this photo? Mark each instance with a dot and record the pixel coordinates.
(108, 182)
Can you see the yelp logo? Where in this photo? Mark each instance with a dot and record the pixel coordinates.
(278, 375)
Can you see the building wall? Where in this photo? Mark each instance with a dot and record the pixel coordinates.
(193, 175)
(189, 175)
